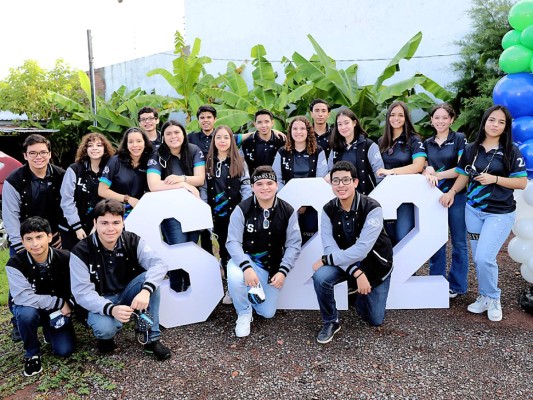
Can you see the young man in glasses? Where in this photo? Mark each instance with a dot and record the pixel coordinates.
(114, 273)
(149, 120)
(33, 191)
(264, 242)
(39, 281)
(356, 247)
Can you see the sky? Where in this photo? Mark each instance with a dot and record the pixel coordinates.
(48, 30)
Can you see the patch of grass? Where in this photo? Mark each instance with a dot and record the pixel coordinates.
(71, 378)
(4, 256)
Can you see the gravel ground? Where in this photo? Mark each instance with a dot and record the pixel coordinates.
(416, 354)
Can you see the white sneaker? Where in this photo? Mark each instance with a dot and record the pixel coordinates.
(481, 305)
(495, 310)
(227, 298)
(242, 329)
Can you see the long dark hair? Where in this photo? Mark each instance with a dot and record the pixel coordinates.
(506, 140)
(236, 162)
(310, 142)
(337, 141)
(185, 158)
(408, 127)
(124, 154)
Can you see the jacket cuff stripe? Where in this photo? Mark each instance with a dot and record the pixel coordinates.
(149, 286)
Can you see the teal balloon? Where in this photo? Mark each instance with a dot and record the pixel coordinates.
(521, 15)
(526, 37)
(516, 59)
(511, 38)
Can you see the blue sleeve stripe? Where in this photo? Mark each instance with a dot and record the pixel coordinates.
(153, 171)
(238, 139)
(421, 154)
(520, 174)
(460, 171)
(460, 153)
(105, 180)
(199, 164)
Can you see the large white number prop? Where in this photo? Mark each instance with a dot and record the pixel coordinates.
(197, 303)
(428, 236)
(298, 291)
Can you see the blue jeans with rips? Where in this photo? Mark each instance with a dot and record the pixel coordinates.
(370, 307)
(28, 320)
(239, 292)
(105, 327)
(458, 275)
(492, 230)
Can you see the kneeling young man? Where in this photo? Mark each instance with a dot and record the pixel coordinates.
(115, 273)
(263, 242)
(39, 282)
(355, 247)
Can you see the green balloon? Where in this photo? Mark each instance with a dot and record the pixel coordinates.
(521, 15)
(511, 38)
(526, 37)
(516, 59)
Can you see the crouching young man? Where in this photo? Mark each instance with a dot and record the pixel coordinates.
(263, 242)
(355, 247)
(39, 282)
(114, 273)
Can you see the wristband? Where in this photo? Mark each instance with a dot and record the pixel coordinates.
(361, 273)
(496, 180)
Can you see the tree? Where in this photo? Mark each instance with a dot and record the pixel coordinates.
(477, 68)
(26, 88)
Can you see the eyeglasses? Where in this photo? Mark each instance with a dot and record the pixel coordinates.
(218, 172)
(345, 181)
(147, 119)
(34, 154)
(266, 216)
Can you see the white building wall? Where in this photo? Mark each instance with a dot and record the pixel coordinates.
(366, 32)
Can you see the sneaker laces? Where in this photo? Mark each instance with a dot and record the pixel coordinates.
(244, 319)
(494, 304)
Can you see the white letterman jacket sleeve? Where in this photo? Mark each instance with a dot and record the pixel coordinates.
(155, 268)
(84, 290)
(68, 187)
(360, 249)
(235, 237)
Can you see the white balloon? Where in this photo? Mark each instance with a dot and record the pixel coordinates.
(523, 210)
(527, 273)
(528, 194)
(520, 250)
(523, 228)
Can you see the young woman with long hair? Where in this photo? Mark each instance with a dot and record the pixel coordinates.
(301, 157)
(124, 177)
(79, 190)
(228, 183)
(350, 142)
(491, 168)
(444, 150)
(177, 164)
(403, 152)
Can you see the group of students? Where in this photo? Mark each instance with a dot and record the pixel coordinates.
(114, 276)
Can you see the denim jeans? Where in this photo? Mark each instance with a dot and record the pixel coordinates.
(493, 230)
(28, 321)
(173, 234)
(106, 327)
(458, 275)
(370, 307)
(239, 292)
(403, 224)
(220, 228)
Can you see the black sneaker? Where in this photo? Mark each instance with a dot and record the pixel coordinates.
(15, 334)
(159, 350)
(106, 345)
(327, 332)
(32, 366)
